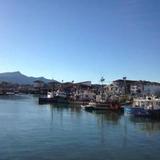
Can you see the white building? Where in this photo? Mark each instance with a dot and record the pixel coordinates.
(112, 89)
(38, 84)
(151, 88)
(136, 88)
(85, 94)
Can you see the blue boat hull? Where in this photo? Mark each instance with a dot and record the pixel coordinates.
(141, 112)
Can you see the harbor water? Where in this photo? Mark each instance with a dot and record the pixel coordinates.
(60, 132)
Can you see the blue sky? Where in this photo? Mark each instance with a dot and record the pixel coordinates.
(81, 39)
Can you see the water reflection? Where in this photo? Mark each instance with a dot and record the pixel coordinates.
(62, 110)
(55, 131)
(64, 107)
(104, 118)
(15, 97)
(147, 125)
(108, 116)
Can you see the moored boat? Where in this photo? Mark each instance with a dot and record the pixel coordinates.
(90, 106)
(58, 97)
(144, 107)
(102, 106)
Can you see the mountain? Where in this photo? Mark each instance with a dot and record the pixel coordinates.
(18, 77)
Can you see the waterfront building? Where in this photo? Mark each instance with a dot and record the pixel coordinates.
(112, 89)
(85, 83)
(151, 88)
(38, 84)
(145, 88)
(138, 87)
(124, 85)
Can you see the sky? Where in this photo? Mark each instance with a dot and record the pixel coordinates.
(81, 39)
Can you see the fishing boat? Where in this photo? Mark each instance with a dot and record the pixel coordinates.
(102, 106)
(144, 107)
(51, 98)
(90, 106)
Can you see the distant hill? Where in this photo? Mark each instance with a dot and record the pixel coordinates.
(18, 77)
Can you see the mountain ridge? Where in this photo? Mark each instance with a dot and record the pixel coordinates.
(20, 78)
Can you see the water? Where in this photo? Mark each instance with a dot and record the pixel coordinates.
(47, 132)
